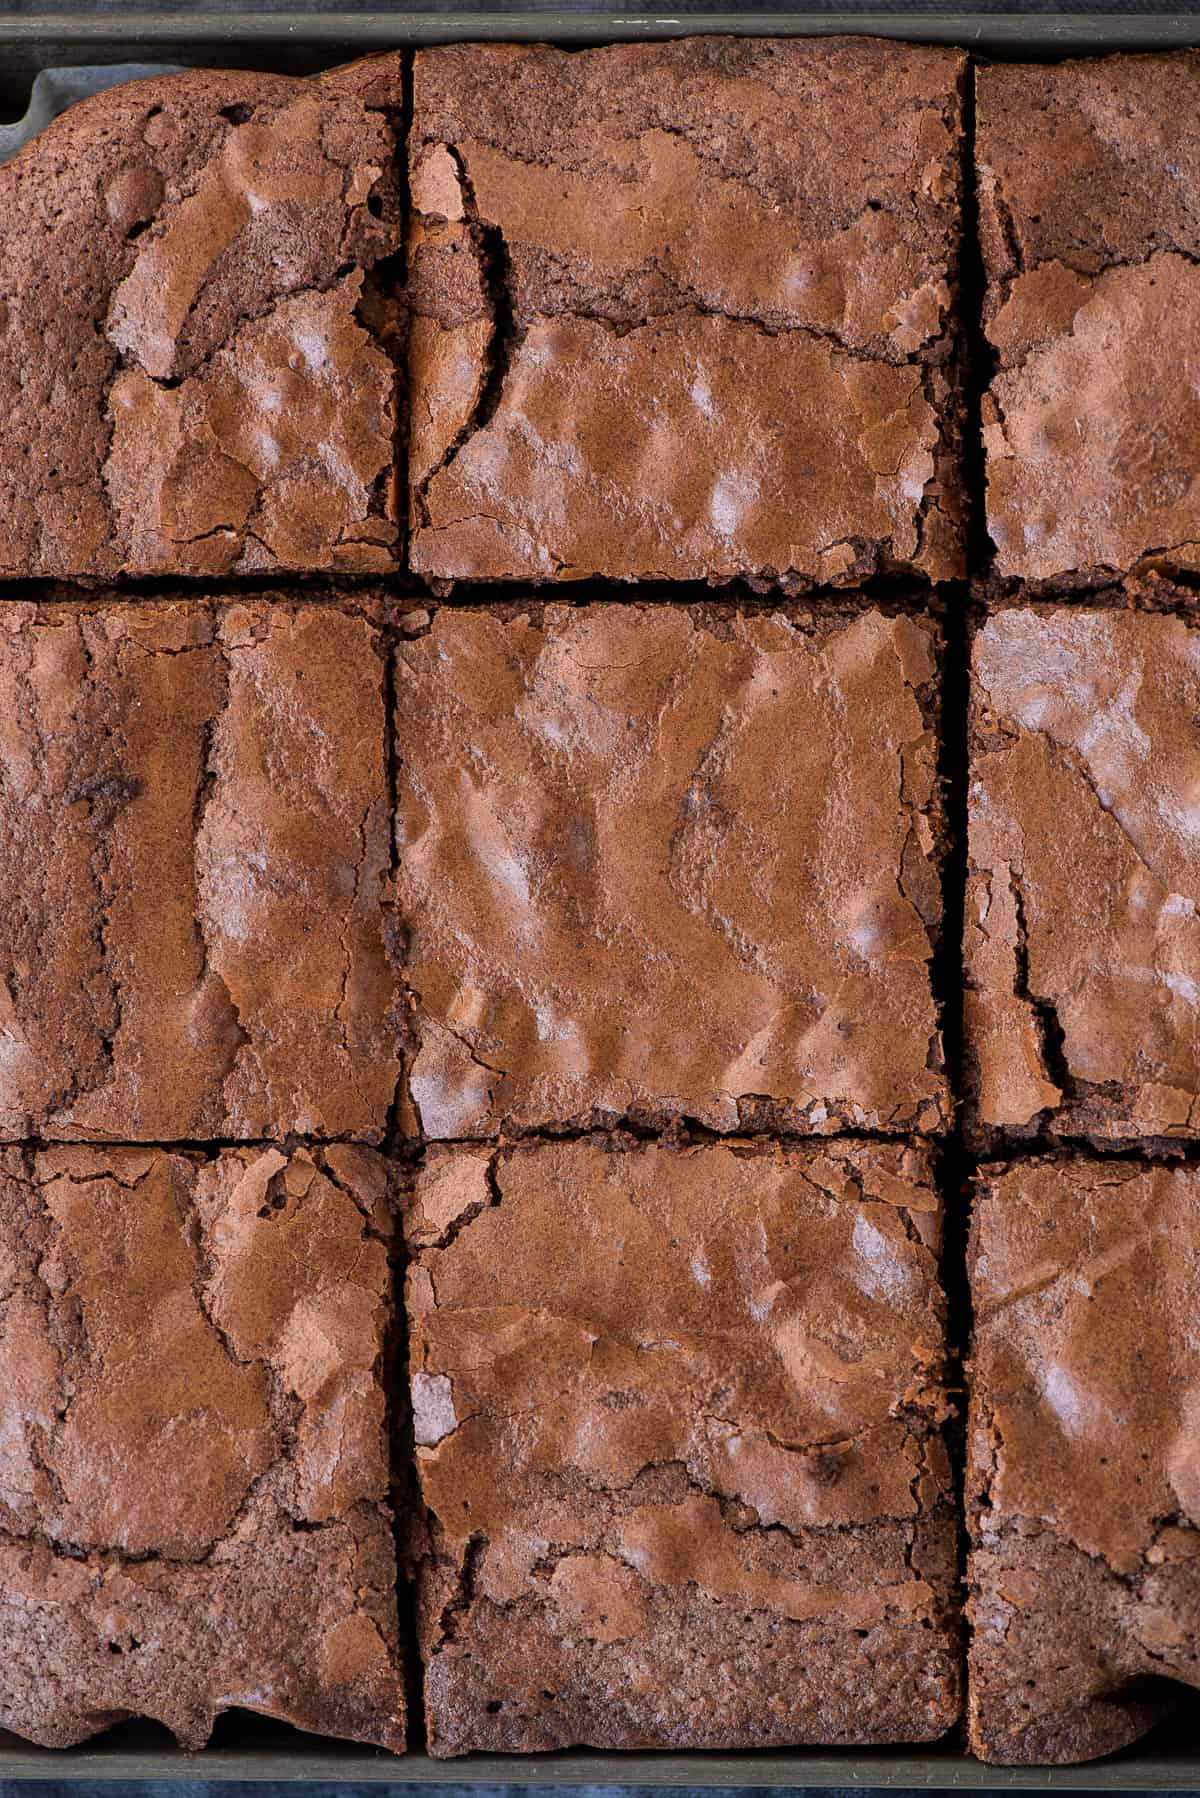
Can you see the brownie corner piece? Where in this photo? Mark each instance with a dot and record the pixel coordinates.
(687, 1488)
(1083, 1478)
(1089, 200)
(685, 311)
(1082, 957)
(660, 863)
(194, 1514)
(195, 839)
(206, 354)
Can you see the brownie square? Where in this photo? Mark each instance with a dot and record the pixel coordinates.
(684, 310)
(193, 838)
(1083, 1481)
(196, 360)
(677, 1419)
(1089, 208)
(1082, 955)
(660, 862)
(193, 1470)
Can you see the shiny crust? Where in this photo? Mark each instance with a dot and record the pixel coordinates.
(194, 1494)
(200, 379)
(659, 862)
(1088, 178)
(702, 333)
(1083, 1479)
(201, 791)
(1082, 950)
(678, 1432)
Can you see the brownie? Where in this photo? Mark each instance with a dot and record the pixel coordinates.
(193, 1474)
(660, 862)
(193, 838)
(1089, 209)
(677, 1416)
(684, 310)
(1082, 955)
(196, 360)
(1083, 1481)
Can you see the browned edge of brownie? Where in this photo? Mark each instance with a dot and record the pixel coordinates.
(195, 1515)
(1087, 179)
(216, 256)
(1081, 1486)
(1106, 1114)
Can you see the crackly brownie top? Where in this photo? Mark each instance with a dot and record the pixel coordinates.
(241, 1337)
(193, 378)
(735, 253)
(195, 827)
(1088, 163)
(1083, 945)
(1089, 199)
(193, 1501)
(677, 1417)
(657, 860)
(768, 1321)
(1086, 1387)
(779, 180)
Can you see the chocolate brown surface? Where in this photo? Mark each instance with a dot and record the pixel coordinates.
(658, 861)
(1089, 208)
(1083, 1483)
(195, 373)
(194, 831)
(677, 1420)
(193, 1467)
(683, 310)
(1082, 953)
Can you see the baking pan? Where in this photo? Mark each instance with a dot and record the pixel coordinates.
(47, 61)
(299, 42)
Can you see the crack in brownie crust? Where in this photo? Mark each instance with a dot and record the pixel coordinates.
(1082, 955)
(619, 903)
(1083, 1481)
(683, 310)
(195, 818)
(193, 1472)
(678, 1432)
(620, 924)
(1089, 208)
(200, 377)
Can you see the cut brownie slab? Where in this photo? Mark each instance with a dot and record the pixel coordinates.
(659, 861)
(193, 1466)
(1083, 1482)
(194, 829)
(1083, 937)
(1089, 204)
(677, 1420)
(683, 310)
(195, 368)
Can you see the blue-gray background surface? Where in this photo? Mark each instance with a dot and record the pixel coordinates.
(220, 1789)
(685, 6)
